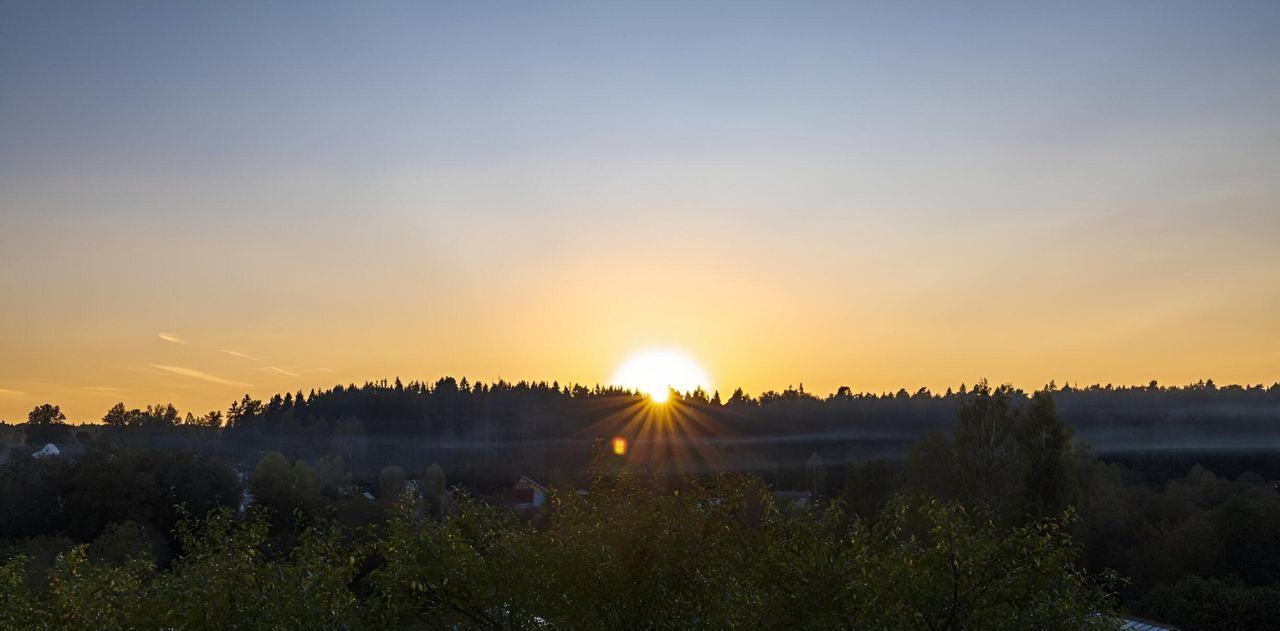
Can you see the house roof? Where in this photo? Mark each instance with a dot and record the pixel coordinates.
(49, 449)
(525, 482)
(1138, 624)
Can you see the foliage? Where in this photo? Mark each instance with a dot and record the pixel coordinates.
(1200, 604)
(662, 552)
(79, 498)
(331, 476)
(121, 543)
(434, 490)
(954, 570)
(628, 555)
(1196, 526)
(230, 579)
(283, 488)
(391, 482)
(46, 414)
(1018, 460)
(815, 475)
(868, 487)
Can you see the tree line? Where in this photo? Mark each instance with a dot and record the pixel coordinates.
(496, 417)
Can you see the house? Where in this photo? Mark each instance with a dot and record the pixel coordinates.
(526, 495)
(48, 450)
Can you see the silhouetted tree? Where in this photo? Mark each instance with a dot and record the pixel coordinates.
(1044, 445)
(984, 446)
(282, 487)
(434, 489)
(46, 414)
(47, 424)
(815, 476)
(391, 482)
(117, 416)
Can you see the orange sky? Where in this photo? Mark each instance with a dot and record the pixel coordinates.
(196, 206)
(759, 307)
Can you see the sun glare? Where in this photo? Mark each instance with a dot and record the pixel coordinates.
(656, 373)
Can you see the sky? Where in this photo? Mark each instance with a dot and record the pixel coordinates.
(203, 200)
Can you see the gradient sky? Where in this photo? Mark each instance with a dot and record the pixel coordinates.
(199, 200)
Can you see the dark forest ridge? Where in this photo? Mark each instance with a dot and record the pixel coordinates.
(528, 427)
(449, 386)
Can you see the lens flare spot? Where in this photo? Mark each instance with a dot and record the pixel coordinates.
(619, 446)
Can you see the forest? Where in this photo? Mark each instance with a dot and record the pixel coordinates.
(390, 505)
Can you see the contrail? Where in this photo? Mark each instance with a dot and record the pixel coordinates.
(203, 376)
(240, 355)
(172, 337)
(280, 370)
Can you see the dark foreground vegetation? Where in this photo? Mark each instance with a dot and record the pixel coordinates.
(333, 511)
(631, 554)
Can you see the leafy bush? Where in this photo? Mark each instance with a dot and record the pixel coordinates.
(629, 555)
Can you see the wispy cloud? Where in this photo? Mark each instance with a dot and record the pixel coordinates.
(172, 337)
(280, 371)
(288, 372)
(240, 355)
(201, 375)
(103, 389)
(5, 392)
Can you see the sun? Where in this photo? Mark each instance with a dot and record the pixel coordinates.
(657, 372)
